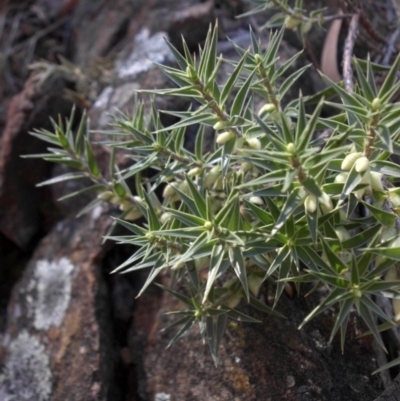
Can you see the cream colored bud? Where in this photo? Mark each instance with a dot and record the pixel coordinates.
(254, 282)
(376, 181)
(246, 166)
(115, 200)
(290, 147)
(125, 205)
(342, 234)
(184, 187)
(168, 191)
(221, 125)
(165, 217)
(361, 164)
(292, 22)
(211, 177)
(253, 143)
(134, 214)
(394, 198)
(194, 171)
(325, 202)
(310, 204)
(266, 109)
(256, 200)
(225, 137)
(396, 309)
(349, 160)
(106, 195)
(341, 178)
(376, 104)
(302, 193)
(208, 225)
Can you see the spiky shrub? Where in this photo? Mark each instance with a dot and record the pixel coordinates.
(274, 200)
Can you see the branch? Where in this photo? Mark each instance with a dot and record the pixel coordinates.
(348, 53)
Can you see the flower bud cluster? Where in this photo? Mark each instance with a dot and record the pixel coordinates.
(371, 179)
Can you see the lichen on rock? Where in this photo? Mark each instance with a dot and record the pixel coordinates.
(52, 284)
(27, 375)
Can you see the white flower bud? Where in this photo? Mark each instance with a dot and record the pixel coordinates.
(342, 234)
(341, 178)
(349, 160)
(106, 195)
(165, 217)
(221, 125)
(325, 202)
(310, 204)
(376, 104)
(246, 166)
(361, 164)
(225, 137)
(394, 198)
(266, 109)
(253, 143)
(194, 171)
(256, 200)
(134, 214)
(376, 181)
(168, 191)
(290, 147)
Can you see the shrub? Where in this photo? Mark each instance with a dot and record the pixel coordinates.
(274, 200)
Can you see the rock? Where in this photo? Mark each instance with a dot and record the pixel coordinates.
(20, 201)
(58, 343)
(268, 361)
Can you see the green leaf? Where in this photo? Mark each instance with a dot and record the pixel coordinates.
(237, 262)
(241, 96)
(385, 218)
(230, 83)
(62, 178)
(289, 81)
(291, 204)
(361, 238)
(311, 186)
(390, 79)
(217, 254)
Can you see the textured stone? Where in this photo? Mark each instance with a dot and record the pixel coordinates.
(60, 309)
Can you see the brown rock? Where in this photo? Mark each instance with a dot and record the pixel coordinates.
(58, 342)
(19, 199)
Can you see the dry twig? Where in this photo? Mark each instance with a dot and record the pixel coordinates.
(348, 53)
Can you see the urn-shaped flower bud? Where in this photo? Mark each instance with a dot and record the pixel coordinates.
(290, 147)
(376, 181)
(106, 195)
(361, 164)
(266, 109)
(168, 191)
(221, 125)
(349, 160)
(134, 214)
(342, 234)
(225, 137)
(310, 204)
(325, 202)
(341, 178)
(376, 104)
(292, 22)
(253, 143)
